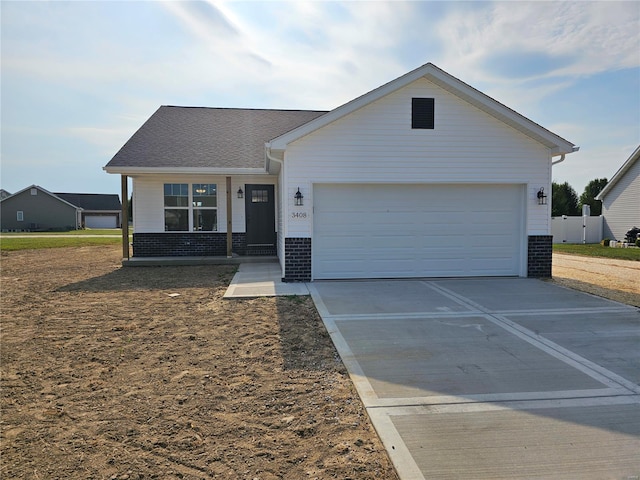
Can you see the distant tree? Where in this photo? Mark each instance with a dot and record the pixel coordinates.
(588, 197)
(564, 200)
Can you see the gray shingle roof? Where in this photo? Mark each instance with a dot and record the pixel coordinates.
(92, 201)
(198, 137)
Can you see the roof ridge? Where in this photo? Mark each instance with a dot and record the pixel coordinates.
(246, 109)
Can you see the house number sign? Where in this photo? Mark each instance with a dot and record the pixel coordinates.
(299, 215)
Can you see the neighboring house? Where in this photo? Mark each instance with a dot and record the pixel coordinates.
(4, 193)
(424, 176)
(98, 210)
(37, 209)
(621, 199)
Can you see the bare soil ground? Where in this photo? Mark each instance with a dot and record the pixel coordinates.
(617, 280)
(143, 373)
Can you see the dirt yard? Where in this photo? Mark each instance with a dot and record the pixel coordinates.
(617, 280)
(147, 373)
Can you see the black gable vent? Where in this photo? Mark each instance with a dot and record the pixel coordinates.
(422, 113)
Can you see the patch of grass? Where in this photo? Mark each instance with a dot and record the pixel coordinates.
(86, 231)
(597, 250)
(12, 244)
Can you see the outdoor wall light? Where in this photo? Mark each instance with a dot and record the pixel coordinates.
(298, 198)
(240, 193)
(542, 198)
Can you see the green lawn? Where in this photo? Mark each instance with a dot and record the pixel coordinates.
(86, 231)
(78, 238)
(597, 250)
(10, 244)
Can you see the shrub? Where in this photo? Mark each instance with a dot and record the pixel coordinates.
(605, 242)
(638, 242)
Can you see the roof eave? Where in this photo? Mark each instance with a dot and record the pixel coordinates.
(123, 170)
(620, 173)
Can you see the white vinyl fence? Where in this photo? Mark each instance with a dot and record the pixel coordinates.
(577, 229)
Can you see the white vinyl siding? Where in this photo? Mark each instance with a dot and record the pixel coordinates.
(148, 199)
(396, 231)
(376, 144)
(621, 205)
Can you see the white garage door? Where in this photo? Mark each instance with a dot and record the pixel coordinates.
(396, 231)
(101, 221)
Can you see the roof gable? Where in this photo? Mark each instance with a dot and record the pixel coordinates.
(46, 192)
(555, 143)
(206, 139)
(626, 166)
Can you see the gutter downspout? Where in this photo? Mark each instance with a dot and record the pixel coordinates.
(267, 152)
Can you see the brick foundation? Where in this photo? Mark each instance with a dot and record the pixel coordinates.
(297, 260)
(539, 256)
(186, 244)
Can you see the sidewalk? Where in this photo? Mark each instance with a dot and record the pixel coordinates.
(262, 280)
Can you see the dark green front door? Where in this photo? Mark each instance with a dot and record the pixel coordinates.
(260, 216)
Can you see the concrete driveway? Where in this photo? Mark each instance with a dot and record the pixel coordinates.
(492, 378)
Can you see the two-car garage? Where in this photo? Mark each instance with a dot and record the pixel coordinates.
(417, 230)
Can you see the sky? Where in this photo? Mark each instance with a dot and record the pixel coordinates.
(78, 78)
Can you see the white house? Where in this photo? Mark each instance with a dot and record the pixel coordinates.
(424, 176)
(621, 199)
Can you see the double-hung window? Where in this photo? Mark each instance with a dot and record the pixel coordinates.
(190, 207)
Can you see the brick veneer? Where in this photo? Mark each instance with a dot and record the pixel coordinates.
(297, 260)
(539, 256)
(186, 244)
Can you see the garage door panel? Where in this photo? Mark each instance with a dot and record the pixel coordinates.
(390, 231)
(101, 221)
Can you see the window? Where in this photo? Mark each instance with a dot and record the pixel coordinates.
(422, 113)
(205, 212)
(259, 196)
(34, 191)
(20, 216)
(190, 209)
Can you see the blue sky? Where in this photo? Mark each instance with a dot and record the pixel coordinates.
(78, 78)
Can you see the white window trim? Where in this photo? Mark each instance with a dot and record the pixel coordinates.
(191, 207)
(20, 216)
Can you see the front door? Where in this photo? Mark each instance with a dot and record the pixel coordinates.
(260, 215)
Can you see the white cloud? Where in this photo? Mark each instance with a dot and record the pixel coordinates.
(591, 36)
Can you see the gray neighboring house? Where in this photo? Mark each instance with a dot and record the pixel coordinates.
(37, 209)
(621, 199)
(4, 193)
(98, 210)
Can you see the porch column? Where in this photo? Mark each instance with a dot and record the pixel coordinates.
(125, 215)
(229, 220)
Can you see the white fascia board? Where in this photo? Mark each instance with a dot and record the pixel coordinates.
(280, 143)
(184, 171)
(556, 144)
(620, 173)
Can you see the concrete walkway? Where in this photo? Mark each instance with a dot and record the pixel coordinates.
(492, 378)
(262, 280)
